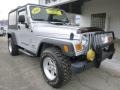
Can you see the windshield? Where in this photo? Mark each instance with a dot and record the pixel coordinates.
(48, 14)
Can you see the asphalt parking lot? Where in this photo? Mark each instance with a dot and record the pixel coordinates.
(23, 73)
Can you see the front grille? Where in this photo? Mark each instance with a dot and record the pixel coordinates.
(95, 39)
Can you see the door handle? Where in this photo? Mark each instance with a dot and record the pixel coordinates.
(18, 27)
(31, 30)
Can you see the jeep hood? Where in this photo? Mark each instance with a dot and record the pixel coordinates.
(61, 31)
(55, 31)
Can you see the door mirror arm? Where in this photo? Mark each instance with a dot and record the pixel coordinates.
(26, 25)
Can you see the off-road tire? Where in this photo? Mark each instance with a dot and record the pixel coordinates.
(14, 48)
(63, 66)
(97, 64)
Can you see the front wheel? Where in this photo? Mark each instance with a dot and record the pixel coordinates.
(97, 64)
(56, 67)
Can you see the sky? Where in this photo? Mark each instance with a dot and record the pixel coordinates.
(7, 5)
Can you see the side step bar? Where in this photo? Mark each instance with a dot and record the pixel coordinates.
(26, 52)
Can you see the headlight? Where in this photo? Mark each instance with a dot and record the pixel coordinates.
(85, 41)
(79, 47)
(106, 38)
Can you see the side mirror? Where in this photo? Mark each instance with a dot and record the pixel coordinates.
(21, 19)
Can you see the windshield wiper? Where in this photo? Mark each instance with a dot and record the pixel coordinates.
(56, 23)
(55, 20)
(39, 19)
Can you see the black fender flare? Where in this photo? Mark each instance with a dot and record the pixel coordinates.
(60, 44)
(12, 35)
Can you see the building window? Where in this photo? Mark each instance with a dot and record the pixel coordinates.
(98, 20)
(49, 1)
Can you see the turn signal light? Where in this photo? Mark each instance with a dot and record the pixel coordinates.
(78, 47)
(66, 48)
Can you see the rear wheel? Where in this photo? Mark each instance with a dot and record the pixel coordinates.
(56, 67)
(13, 49)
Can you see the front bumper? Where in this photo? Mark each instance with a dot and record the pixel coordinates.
(102, 51)
(105, 51)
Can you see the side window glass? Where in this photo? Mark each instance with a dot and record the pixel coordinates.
(23, 12)
(22, 21)
(12, 22)
(12, 18)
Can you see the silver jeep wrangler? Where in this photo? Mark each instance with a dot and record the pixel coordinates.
(45, 32)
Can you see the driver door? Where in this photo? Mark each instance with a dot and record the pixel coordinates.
(24, 32)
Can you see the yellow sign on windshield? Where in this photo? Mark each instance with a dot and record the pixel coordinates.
(36, 10)
(54, 11)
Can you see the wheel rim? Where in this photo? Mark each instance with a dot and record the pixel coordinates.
(49, 68)
(10, 46)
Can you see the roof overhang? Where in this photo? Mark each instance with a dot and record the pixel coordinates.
(60, 2)
(70, 6)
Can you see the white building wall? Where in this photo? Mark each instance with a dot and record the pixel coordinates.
(112, 9)
(41, 2)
